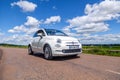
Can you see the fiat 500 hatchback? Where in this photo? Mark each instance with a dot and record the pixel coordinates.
(51, 42)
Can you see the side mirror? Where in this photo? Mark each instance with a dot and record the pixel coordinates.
(40, 34)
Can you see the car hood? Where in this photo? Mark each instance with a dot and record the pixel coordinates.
(64, 38)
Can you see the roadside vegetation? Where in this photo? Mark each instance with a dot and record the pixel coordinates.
(109, 50)
(97, 49)
(12, 45)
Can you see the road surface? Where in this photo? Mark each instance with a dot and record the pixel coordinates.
(16, 64)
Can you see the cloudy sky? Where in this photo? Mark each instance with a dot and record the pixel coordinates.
(91, 21)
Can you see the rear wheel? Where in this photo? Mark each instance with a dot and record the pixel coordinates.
(30, 52)
(48, 53)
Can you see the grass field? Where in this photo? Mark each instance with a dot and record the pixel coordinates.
(109, 50)
(12, 45)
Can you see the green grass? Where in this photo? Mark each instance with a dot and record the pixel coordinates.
(12, 45)
(102, 50)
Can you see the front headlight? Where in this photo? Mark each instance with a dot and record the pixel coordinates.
(59, 41)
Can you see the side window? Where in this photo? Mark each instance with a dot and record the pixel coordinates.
(35, 35)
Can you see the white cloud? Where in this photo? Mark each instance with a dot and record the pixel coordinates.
(53, 19)
(95, 17)
(92, 28)
(18, 29)
(32, 30)
(101, 39)
(25, 5)
(25, 30)
(17, 39)
(29, 27)
(32, 22)
(67, 31)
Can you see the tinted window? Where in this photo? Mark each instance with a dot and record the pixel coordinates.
(54, 32)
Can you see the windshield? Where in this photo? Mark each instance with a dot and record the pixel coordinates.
(53, 32)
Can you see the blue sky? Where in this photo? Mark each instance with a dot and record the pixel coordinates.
(91, 21)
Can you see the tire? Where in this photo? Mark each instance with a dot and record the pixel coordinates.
(30, 52)
(48, 53)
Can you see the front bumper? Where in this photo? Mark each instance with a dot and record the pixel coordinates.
(66, 48)
(66, 52)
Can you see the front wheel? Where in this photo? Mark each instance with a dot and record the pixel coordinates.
(48, 53)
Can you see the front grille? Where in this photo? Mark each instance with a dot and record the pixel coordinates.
(71, 50)
(73, 43)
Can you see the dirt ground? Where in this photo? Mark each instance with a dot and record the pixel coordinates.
(16, 64)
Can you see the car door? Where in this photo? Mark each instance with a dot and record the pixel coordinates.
(34, 42)
(39, 41)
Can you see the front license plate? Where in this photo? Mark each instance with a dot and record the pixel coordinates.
(73, 47)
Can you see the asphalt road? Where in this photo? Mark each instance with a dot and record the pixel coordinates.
(16, 64)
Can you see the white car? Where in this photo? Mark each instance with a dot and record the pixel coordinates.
(51, 42)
